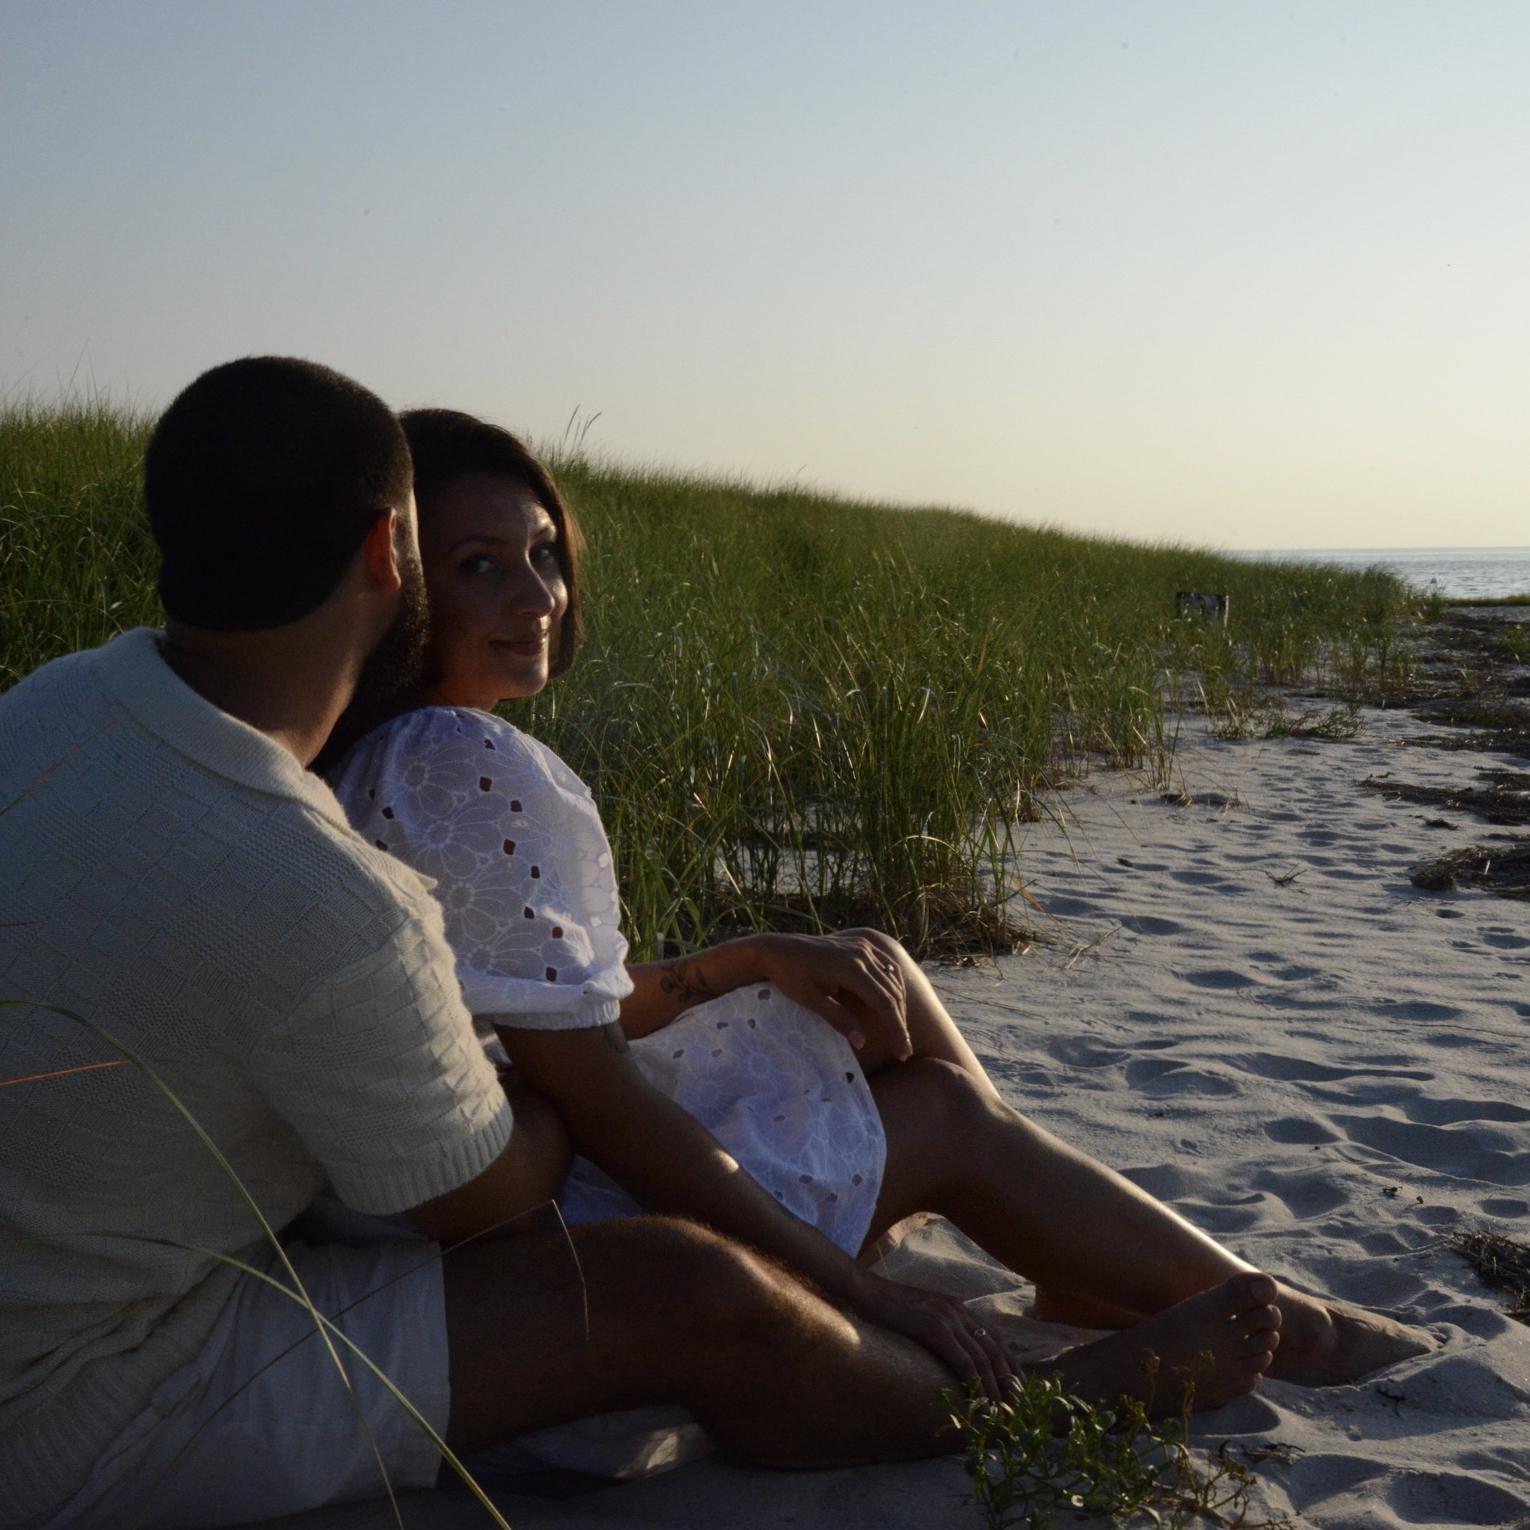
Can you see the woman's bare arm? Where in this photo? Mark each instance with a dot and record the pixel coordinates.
(843, 978)
(668, 1160)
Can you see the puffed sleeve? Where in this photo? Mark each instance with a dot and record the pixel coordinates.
(521, 865)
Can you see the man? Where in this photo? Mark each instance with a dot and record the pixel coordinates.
(198, 936)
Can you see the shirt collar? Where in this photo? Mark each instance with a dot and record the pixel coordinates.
(133, 669)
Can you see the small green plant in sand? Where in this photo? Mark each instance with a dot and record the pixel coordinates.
(1272, 718)
(1046, 1453)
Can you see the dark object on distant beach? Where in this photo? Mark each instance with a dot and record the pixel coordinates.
(1210, 608)
(1502, 868)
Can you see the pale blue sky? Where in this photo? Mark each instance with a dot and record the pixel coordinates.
(1248, 274)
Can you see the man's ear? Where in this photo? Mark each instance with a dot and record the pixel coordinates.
(379, 553)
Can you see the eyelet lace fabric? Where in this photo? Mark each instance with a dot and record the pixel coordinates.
(523, 870)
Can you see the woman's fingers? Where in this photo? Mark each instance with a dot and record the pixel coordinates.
(950, 1331)
(876, 980)
(999, 1365)
(839, 1015)
(849, 982)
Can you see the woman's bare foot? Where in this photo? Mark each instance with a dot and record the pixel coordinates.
(1236, 1324)
(1327, 1344)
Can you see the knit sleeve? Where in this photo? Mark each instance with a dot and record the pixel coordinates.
(380, 1075)
(521, 865)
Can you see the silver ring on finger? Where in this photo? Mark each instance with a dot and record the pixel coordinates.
(979, 1333)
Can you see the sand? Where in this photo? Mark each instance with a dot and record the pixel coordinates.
(1244, 1004)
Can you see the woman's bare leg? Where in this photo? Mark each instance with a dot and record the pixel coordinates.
(1073, 1226)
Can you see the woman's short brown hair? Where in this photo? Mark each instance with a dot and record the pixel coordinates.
(448, 445)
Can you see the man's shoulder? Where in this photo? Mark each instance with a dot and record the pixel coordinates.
(56, 710)
(107, 751)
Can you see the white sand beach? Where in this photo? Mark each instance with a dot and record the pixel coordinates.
(1244, 1005)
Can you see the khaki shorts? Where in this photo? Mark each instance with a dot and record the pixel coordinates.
(263, 1424)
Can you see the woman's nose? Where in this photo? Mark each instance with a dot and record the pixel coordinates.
(531, 592)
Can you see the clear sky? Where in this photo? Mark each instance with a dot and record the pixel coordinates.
(1252, 274)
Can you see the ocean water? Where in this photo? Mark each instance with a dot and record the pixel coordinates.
(1454, 572)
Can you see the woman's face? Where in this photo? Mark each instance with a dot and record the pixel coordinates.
(497, 594)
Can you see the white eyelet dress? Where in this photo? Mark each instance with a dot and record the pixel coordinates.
(523, 871)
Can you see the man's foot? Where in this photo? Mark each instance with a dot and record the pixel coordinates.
(1236, 1324)
(1327, 1344)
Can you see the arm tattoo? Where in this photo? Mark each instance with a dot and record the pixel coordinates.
(686, 982)
(616, 1037)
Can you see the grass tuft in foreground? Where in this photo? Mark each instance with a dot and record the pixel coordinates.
(1046, 1453)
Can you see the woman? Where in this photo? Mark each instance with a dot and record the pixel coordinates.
(671, 1075)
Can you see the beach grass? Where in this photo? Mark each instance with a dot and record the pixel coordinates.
(795, 710)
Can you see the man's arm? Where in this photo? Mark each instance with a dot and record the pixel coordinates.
(516, 1192)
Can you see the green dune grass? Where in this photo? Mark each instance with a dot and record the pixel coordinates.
(795, 710)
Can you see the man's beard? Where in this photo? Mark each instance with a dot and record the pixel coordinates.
(400, 664)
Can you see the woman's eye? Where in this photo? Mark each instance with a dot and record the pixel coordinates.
(477, 564)
(547, 552)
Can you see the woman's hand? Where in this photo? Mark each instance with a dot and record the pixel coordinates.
(847, 979)
(950, 1331)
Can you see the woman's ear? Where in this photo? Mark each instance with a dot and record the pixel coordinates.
(380, 557)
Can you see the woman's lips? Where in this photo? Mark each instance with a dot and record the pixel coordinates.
(525, 648)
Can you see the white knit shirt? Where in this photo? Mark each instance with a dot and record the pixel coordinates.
(175, 877)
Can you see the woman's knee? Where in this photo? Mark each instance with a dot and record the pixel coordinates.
(941, 1100)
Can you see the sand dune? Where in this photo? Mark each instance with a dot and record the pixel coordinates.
(1244, 1004)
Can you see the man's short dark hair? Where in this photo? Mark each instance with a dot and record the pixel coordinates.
(261, 481)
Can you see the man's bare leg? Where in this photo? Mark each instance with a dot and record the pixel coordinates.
(658, 1310)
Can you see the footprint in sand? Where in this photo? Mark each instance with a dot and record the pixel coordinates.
(1436, 1112)
(1416, 1009)
(1299, 1131)
(1080, 1052)
(1192, 878)
(1151, 924)
(1302, 1070)
(1505, 1206)
(1325, 1479)
(1449, 1498)
(1150, 1017)
(1504, 940)
(1461, 1152)
(1161, 1077)
(1297, 974)
(1222, 978)
(1305, 1193)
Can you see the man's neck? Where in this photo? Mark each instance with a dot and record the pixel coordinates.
(271, 680)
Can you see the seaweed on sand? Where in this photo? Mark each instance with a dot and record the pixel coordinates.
(1502, 868)
(1500, 1263)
